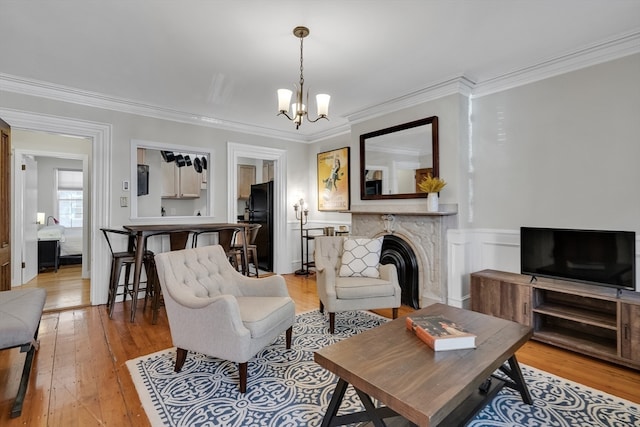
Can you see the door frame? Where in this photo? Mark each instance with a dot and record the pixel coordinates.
(236, 151)
(18, 203)
(100, 135)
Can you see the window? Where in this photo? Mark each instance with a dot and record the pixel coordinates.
(69, 197)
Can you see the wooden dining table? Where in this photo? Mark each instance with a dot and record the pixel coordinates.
(181, 231)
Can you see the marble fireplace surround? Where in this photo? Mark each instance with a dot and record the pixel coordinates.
(426, 234)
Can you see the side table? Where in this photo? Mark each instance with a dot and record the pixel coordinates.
(48, 254)
(310, 234)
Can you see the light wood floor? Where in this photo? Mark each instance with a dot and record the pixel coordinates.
(79, 376)
(65, 288)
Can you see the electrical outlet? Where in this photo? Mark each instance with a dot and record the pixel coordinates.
(124, 201)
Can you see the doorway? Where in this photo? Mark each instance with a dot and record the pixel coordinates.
(52, 242)
(100, 175)
(236, 152)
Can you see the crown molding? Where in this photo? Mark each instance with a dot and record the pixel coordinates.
(454, 85)
(41, 89)
(597, 53)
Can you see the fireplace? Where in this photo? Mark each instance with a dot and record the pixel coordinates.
(416, 243)
(397, 251)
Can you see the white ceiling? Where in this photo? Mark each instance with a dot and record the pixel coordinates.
(221, 62)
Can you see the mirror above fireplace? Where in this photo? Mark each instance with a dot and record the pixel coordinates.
(395, 159)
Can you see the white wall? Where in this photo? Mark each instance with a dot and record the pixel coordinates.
(562, 152)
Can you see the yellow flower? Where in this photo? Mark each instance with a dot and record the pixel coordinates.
(432, 185)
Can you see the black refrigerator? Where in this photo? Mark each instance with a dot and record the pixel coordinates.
(261, 212)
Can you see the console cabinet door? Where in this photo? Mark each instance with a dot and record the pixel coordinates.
(630, 331)
(485, 295)
(510, 301)
(515, 302)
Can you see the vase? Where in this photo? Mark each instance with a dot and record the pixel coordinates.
(432, 202)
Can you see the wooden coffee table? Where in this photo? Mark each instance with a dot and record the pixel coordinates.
(390, 364)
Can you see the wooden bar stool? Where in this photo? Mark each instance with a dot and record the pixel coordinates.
(177, 240)
(120, 259)
(251, 254)
(226, 238)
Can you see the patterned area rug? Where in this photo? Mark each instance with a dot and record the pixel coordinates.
(287, 388)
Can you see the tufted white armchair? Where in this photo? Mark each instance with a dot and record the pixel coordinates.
(338, 293)
(215, 310)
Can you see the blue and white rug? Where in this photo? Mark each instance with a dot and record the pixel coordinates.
(287, 388)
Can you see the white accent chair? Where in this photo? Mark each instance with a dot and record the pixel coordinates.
(215, 310)
(338, 293)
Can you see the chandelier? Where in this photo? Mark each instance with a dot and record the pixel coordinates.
(299, 108)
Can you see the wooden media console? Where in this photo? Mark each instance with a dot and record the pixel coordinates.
(594, 320)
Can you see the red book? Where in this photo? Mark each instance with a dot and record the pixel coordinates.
(440, 333)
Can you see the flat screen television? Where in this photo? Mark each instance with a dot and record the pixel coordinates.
(605, 258)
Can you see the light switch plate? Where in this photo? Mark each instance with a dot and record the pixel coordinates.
(124, 201)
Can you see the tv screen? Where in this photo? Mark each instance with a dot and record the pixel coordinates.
(604, 258)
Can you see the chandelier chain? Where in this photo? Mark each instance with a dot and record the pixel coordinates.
(301, 68)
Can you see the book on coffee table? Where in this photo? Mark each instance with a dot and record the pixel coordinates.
(440, 333)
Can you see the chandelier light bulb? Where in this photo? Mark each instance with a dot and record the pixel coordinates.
(284, 98)
(322, 102)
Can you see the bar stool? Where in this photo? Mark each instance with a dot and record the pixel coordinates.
(120, 259)
(250, 234)
(177, 240)
(226, 238)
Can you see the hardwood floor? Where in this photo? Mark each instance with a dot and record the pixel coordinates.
(79, 377)
(65, 288)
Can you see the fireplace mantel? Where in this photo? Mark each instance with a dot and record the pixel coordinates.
(396, 212)
(414, 210)
(425, 232)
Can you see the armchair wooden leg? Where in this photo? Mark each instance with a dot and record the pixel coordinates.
(288, 337)
(321, 307)
(394, 312)
(181, 356)
(242, 369)
(332, 323)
